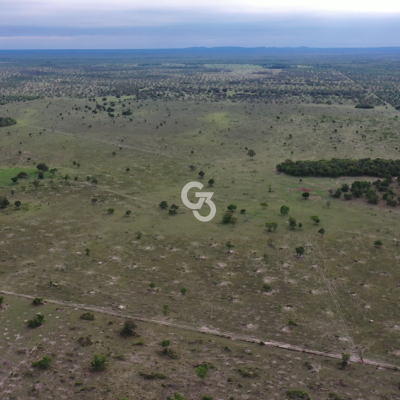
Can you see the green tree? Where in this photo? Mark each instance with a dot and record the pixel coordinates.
(315, 218)
(163, 205)
(128, 329)
(36, 321)
(44, 363)
(232, 207)
(378, 243)
(345, 360)
(165, 309)
(128, 213)
(183, 291)
(267, 287)
(201, 174)
(17, 204)
(211, 182)
(251, 153)
(292, 223)
(284, 210)
(110, 210)
(271, 226)
(38, 301)
(264, 205)
(322, 231)
(299, 251)
(173, 209)
(305, 195)
(42, 167)
(99, 362)
(228, 218)
(202, 370)
(4, 203)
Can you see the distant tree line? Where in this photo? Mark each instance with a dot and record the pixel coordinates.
(341, 167)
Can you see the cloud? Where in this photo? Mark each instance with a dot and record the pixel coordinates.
(173, 24)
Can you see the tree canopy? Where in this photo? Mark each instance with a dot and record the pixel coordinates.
(7, 121)
(341, 167)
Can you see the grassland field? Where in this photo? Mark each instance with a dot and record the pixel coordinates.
(341, 296)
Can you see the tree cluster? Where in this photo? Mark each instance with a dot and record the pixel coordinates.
(7, 121)
(341, 167)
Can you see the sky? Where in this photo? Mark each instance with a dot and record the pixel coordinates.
(160, 24)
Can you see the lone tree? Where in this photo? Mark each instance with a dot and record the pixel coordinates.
(36, 321)
(42, 167)
(201, 174)
(305, 195)
(229, 218)
(316, 219)
(292, 222)
(44, 363)
(251, 153)
(271, 226)
(4, 203)
(345, 360)
(128, 329)
(163, 205)
(322, 231)
(299, 251)
(264, 205)
(211, 182)
(232, 207)
(99, 362)
(284, 210)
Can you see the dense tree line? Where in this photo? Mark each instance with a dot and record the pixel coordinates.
(341, 167)
(7, 121)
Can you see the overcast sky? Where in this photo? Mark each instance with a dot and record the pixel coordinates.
(133, 24)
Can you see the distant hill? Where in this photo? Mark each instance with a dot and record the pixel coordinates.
(191, 55)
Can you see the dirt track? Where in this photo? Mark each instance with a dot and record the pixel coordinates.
(205, 330)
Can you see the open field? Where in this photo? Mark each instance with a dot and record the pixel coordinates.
(340, 296)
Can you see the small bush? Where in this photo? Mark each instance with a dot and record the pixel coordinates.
(298, 394)
(267, 287)
(87, 316)
(202, 370)
(152, 375)
(169, 353)
(38, 301)
(99, 362)
(36, 321)
(85, 341)
(129, 329)
(44, 363)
